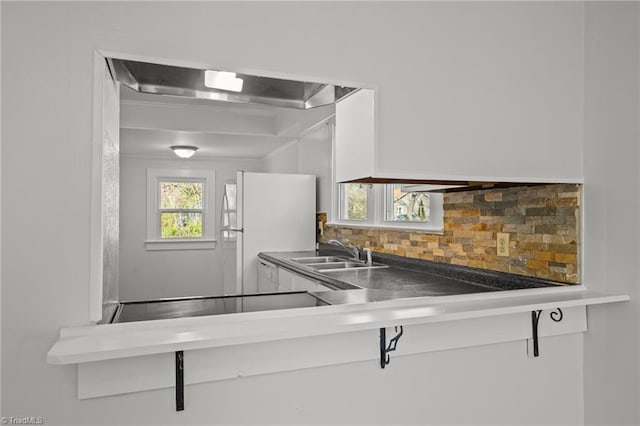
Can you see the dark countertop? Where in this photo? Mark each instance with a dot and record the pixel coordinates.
(404, 278)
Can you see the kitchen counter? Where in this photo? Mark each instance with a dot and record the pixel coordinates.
(404, 278)
(134, 356)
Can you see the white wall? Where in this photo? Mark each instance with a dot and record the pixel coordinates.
(174, 273)
(0, 221)
(45, 264)
(460, 387)
(314, 158)
(611, 210)
(496, 86)
(283, 159)
(309, 154)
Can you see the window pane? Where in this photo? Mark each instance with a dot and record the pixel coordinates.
(407, 206)
(181, 225)
(354, 199)
(181, 195)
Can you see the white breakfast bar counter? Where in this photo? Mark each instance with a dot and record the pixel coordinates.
(139, 356)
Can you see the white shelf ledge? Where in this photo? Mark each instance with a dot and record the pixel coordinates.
(180, 244)
(114, 341)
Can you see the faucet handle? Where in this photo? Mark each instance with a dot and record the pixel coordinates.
(349, 246)
(367, 252)
(355, 249)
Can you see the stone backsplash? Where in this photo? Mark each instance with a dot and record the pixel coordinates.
(542, 222)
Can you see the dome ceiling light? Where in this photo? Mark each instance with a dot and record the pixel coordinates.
(184, 151)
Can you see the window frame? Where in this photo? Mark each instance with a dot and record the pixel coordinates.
(341, 203)
(200, 210)
(154, 239)
(377, 211)
(436, 212)
(389, 204)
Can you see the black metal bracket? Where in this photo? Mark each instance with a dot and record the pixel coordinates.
(179, 381)
(384, 348)
(535, 317)
(555, 315)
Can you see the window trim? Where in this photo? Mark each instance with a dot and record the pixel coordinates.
(389, 204)
(436, 212)
(201, 210)
(376, 212)
(340, 206)
(154, 240)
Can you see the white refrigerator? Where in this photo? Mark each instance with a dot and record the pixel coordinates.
(264, 212)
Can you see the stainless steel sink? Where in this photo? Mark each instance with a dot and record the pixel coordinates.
(319, 259)
(335, 263)
(345, 266)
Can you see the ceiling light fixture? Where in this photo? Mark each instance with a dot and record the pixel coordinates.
(184, 151)
(222, 80)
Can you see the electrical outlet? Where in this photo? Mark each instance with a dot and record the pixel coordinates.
(503, 244)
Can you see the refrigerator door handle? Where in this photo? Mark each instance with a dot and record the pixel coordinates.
(227, 228)
(225, 215)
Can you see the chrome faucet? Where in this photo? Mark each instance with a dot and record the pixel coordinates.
(349, 246)
(367, 252)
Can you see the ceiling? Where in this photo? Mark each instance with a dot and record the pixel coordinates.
(151, 123)
(154, 78)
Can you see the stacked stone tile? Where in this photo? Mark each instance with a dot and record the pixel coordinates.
(542, 223)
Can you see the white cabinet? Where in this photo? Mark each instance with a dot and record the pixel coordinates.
(272, 278)
(285, 280)
(289, 281)
(500, 117)
(354, 136)
(305, 284)
(267, 277)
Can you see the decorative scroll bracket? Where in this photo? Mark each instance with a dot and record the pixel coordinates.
(179, 381)
(555, 315)
(384, 348)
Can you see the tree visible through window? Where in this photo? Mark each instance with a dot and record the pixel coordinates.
(354, 205)
(181, 209)
(408, 206)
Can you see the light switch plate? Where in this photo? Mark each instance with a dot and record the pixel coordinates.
(503, 244)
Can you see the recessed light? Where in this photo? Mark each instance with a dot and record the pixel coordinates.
(223, 80)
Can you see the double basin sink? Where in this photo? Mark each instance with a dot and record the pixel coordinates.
(335, 263)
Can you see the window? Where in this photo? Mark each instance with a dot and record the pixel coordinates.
(392, 206)
(180, 209)
(404, 205)
(353, 201)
